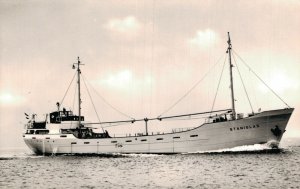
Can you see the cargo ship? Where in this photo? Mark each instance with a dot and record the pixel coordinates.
(222, 130)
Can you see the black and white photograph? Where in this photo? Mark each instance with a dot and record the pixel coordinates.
(149, 94)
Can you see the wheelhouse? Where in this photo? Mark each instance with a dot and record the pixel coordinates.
(59, 116)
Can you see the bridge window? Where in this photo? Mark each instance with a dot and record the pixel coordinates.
(159, 139)
(176, 137)
(193, 135)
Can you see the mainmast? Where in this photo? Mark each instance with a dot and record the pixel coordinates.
(231, 78)
(79, 95)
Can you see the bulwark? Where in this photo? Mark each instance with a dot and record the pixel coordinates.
(244, 127)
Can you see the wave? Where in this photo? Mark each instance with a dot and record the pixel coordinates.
(13, 156)
(16, 153)
(270, 147)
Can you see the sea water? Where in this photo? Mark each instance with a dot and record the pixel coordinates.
(243, 167)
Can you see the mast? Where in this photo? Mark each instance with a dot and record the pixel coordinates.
(79, 95)
(231, 78)
(146, 124)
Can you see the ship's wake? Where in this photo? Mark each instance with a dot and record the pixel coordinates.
(270, 147)
(13, 156)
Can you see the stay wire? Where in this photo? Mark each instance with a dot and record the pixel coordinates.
(107, 103)
(191, 89)
(261, 80)
(83, 79)
(213, 105)
(67, 90)
(115, 125)
(74, 97)
(235, 62)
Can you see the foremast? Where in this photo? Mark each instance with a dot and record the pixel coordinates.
(79, 94)
(231, 78)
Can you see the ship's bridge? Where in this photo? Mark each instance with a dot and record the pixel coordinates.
(59, 116)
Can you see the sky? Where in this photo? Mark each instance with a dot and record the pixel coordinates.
(142, 56)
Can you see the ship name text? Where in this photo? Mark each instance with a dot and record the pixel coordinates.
(244, 127)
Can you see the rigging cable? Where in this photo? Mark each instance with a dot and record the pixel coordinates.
(83, 78)
(162, 118)
(213, 105)
(107, 103)
(243, 83)
(74, 101)
(67, 89)
(75, 92)
(115, 125)
(191, 89)
(261, 80)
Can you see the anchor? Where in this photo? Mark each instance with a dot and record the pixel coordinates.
(277, 132)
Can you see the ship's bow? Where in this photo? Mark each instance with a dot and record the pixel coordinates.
(276, 122)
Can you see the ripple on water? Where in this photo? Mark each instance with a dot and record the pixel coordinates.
(197, 170)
